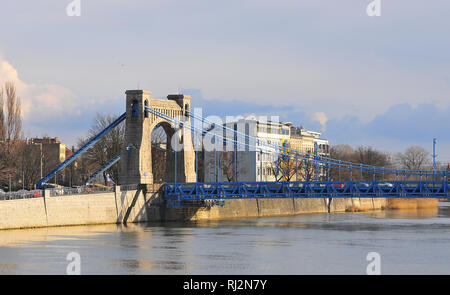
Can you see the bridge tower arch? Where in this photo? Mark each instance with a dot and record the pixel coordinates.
(136, 156)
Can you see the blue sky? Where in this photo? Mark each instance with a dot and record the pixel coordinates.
(381, 81)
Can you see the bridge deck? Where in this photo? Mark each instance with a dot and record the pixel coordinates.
(308, 189)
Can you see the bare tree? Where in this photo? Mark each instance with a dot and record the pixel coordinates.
(2, 117)
(371, 157)
(160, 150)
(30, 163)
(107, 148)
(11, 114)
(14, 112)
(10, 133)
(342, 152)
(414, 158)
(361, 155)
(228, 165)
(292, 168)
(159, 135)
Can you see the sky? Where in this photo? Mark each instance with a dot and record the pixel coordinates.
(381, 81)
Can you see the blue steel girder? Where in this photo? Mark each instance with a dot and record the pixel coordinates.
(82, 150)
(105, 167)
(307, 189)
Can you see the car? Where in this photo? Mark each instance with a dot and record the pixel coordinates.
(77, 189)
(385, 184)
(57, 191)
(35, 193)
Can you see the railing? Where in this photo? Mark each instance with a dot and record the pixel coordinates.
(129, 187)
(307, 189)
(83, 190)
(21, 195)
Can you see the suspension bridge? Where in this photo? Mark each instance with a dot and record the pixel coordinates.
(186, 136)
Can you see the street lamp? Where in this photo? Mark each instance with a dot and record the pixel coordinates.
(434, 153)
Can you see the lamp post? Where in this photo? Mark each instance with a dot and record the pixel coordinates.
(434, 159)
(42, 156)
(434, 153)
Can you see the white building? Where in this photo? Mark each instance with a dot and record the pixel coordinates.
(261, 158)
(257, 157)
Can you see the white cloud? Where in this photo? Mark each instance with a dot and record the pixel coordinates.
(39, 102)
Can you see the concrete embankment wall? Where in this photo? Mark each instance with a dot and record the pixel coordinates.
(102, 208)
(143, 205)
(274, 207)
(404, 203)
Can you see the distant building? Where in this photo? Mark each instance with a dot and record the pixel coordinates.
(258, 160)
(308, 141)
(54, 151)
(264, 157)
(303, 140)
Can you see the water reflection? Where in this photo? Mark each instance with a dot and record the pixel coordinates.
(417, 213)
(409, 241)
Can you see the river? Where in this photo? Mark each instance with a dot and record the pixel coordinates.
(408, 242)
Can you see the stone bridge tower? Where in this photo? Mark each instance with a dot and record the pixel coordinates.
(136, 156)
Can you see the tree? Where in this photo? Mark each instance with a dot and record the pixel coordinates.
(13, 122)
(361, 155)
(2, 118)
(105, 149)
(10, 133)
(414, 158)
(342, 152)
(228, 166)
(371, 157)
(30, 164)
(292, 168)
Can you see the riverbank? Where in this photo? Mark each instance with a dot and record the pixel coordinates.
(147, 205)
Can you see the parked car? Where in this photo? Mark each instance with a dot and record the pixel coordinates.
(57, 191)
(35, 193)
(77, 189)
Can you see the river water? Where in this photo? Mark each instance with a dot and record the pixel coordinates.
(408, 242)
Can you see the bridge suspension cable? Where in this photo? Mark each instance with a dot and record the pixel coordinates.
(294, 154)
(327, 160)
(81, 151)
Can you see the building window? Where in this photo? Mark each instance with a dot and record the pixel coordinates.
(145, 110)
(134, 109)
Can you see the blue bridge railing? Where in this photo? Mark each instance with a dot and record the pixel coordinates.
(307, 189)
